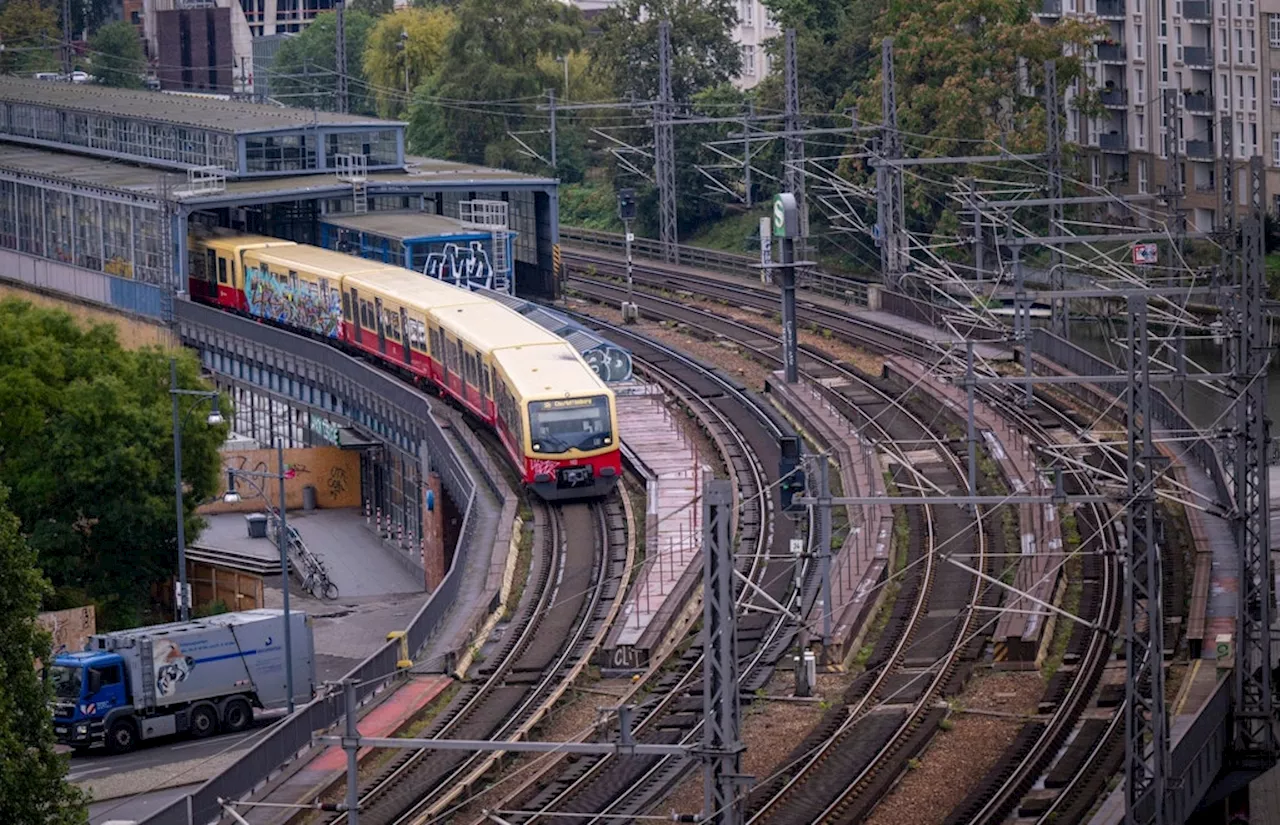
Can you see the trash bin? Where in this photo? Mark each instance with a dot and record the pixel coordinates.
(309, 497)
(257, 525)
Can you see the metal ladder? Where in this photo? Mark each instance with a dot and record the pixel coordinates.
(359, 197)
(501, 264)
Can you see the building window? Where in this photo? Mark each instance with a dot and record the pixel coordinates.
(1240, 92)
(1275, 151)
(1096, 170)
(1142, 131)
(1139, 47)
(1253, 47)
(1253, 93)
(1139, 86)
(1275, 87)
(1142, 177)
(746, 13)
(1253, 139)
(1239, 45)
(1224, 46)
(749, 61)
(1273, 30)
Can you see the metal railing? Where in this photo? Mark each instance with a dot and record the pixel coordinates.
(843, 288)
(316, 363)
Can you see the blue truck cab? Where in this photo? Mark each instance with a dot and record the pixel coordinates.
(87, 687)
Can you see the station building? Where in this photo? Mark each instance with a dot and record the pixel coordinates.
(100, 189)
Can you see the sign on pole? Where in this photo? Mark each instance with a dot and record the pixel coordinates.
(1145, 254)
(786, 216)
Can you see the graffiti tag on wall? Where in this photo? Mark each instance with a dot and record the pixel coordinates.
(466, 267)
(302, 305)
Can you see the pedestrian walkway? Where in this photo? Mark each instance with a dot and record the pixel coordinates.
(358, 562)
(860, 562)
(328, 766)
(672, 464)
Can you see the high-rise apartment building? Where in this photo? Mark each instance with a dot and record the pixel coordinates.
(1202, 60)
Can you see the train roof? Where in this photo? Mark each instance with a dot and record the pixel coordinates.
(316, 259)
(490, 326)
(549, 371)
(412, 289)
(231, 243)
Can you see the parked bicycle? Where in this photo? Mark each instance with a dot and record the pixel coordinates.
(317, 582)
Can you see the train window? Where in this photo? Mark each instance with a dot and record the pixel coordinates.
(210, 266)
(560, 425)
(346, 307)
(233, 271)
(484, 380)
(222, 270)
(435, 342)
(293, 280)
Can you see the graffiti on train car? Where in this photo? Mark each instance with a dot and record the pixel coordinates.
(300, 304)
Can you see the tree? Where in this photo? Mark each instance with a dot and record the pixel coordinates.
(33, 787)
(86, 452)
(703, 52)
(30, 34)
(490, 78)
(377, 8)
(117, 55)
(404, 49)
(304, 73)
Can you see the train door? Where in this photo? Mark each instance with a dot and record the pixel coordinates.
(382, 330)
(202, 277)
(357, 309)
(405, 338)
(486, 389)
(436, 350)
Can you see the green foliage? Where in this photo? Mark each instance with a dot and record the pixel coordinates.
(377, 8)
(32, 775)
(214, 608)
(29, 31)
(492, 55)
(393, 60)
(117, 55)
(703, 52)
(86, 451)
(304, 71)
(589, 205)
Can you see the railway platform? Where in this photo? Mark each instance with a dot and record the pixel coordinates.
(671, 462)
(1022, 624)
(861, 562)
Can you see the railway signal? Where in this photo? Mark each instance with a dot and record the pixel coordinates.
(790, 472)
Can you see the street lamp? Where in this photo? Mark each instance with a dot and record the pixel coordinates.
(214, 419)
(627, 212)
(282, 542)
(403, 47)
(565, 60)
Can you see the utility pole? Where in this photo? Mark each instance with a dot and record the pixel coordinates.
(721, 746)
(351, 744)
(793, 173)
(824, 547)
(66, 40)
(889, 207)
(1254, 741)
(1060, 308)
(627, 214)
(1173, 173)
(1146, 761)
(746, 151)
(551, 107)
(340, 39)
(664, 149)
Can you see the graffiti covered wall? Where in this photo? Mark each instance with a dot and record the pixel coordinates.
(335, 474)
(466, 266)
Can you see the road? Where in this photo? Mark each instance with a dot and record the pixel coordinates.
(154, 754)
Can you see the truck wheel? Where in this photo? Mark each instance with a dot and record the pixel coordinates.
(203, 721)
(122, 737)
(237, 715)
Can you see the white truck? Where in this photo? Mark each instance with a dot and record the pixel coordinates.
(192, 678)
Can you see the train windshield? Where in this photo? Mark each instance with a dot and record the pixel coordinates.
(564, 424)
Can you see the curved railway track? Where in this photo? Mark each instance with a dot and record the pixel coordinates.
(746, 433)
(575, 577)
(1040, 743)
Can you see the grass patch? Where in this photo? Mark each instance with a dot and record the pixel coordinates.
(524, 561)
(1074, 571)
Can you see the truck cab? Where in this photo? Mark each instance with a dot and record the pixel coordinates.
(87, 688)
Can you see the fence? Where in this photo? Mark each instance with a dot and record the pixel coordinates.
(137, 297)
(842, 288)
(407, 410)
(1083, 362)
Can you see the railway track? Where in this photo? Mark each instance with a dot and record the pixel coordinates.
(1068, 696)
(668, 698)
(576, 576)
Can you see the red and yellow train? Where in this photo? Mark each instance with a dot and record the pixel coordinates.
(556, 419)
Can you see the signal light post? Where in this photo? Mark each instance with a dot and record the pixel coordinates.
(627, 213)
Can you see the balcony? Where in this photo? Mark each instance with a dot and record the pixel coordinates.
(1197, 11)
(1111, 9)
(1111, 53)
(1050, 8)
(1198, 57)
(1200, 150)
(1199, 104)
(1113, 142)
(1115, 98)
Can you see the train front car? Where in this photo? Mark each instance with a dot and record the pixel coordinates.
(566, 418)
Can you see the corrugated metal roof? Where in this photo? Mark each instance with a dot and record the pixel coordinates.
(211, 113)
